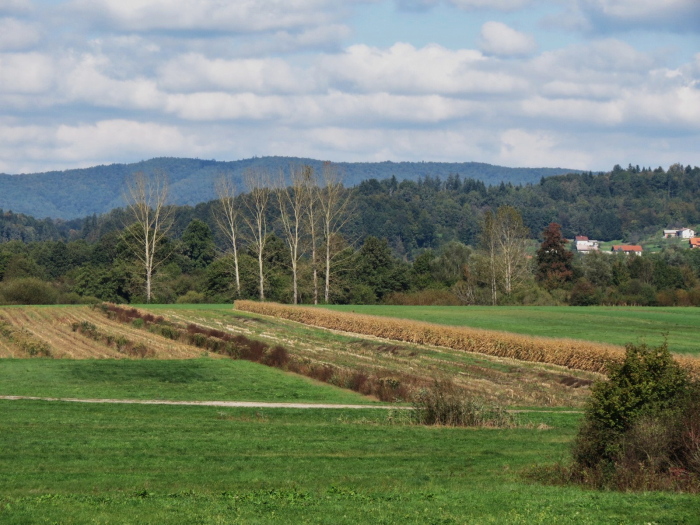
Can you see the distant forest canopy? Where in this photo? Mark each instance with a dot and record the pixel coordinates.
(629, 204)
(81, 192)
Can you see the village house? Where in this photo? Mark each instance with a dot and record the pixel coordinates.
(683, 233)
(586, 245)
(627, 249)
(694, 242)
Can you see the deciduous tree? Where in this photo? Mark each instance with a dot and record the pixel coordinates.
(258, 183)
(146, 198)
(226, 216)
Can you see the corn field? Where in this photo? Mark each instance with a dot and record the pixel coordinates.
(570, 353)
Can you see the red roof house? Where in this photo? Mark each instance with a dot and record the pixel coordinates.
(627, 248)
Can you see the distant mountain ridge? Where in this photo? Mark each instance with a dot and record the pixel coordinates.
(81, 192)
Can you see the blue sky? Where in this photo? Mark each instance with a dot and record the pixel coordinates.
(561, 83)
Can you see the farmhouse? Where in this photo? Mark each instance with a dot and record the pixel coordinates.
(694, 242)
(683, 233)
(627, 249)
(586, 245)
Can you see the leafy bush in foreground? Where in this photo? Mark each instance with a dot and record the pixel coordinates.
(642, 426)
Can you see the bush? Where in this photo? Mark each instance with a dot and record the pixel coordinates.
(642, 426)
(444, 404)
(28, 290)
(192, 297)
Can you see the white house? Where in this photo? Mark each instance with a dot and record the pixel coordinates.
(586, 245)
(683, 233)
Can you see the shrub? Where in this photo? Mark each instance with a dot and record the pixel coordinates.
(642, 426)
(444, 404)
(192, 297)
(28, 290)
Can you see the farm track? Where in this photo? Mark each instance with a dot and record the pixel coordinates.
(249, 404)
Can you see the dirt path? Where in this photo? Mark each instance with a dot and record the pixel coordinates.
(244, 404)
(247, 404)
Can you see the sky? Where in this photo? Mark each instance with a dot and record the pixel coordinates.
(582, 84)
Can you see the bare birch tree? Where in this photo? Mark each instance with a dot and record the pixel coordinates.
(226, 217)
(503, 238)
(489, 243)
(335, 207)
(151, 220)
(258, 183)
(292, 208)
(311, 195)
(512, 235)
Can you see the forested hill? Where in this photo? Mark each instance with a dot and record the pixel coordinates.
(629, 204)
(82, 192)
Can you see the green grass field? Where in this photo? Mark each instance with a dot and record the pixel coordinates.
(191, 380)
(71, 463)
(152, 464)
(616, 325)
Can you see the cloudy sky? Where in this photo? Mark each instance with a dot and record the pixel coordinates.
(559, 83)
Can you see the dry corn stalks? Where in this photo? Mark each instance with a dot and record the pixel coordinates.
(575, 354)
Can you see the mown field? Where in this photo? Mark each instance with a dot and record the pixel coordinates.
(75, 463)
(103, 463)
(616, 325)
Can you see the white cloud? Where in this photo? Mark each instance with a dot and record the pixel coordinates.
(380, 109)
(670, 15)
(229, 16)
(404, 69)
(25, 73)
(195, 72)
(15, 6)
(539, 149)
(502, 5)
(48, 147)
(17, 35)
(499, 39)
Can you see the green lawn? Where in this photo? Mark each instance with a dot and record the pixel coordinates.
(70, 463)
(193, 380)
(617, 325)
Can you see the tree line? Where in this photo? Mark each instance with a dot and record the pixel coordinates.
(290, 237)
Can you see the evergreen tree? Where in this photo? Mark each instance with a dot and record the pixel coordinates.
(554, 267)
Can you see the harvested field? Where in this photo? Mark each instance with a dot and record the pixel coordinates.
(24, 328)
(570, 353)
(501, 380)
(340, 359)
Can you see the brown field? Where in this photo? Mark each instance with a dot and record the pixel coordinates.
(47, 332)
(569, 353)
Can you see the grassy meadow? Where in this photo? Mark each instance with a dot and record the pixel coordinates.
(64, 462)
(75, 463)
(615, 324)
